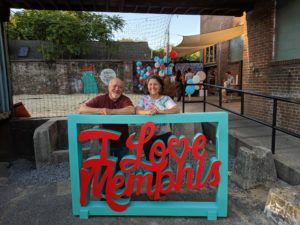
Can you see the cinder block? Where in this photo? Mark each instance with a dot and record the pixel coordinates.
(253, 167)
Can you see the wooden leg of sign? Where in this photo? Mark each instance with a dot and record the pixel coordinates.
(212, 215)
(84, 214)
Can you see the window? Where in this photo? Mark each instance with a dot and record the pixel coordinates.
(236, 49)
(209, 55)
(287, 45)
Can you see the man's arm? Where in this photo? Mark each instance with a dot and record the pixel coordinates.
(84, 109)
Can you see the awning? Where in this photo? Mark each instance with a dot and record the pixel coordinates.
(194, 43)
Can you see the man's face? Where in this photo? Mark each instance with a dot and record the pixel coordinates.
(115, 89)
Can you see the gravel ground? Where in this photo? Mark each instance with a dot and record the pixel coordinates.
(43, 197)
(23, 172)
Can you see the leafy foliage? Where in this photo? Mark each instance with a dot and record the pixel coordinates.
(158, 52)
(193, 57)
(67, 32)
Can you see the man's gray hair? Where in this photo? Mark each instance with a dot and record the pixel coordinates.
(114, 80)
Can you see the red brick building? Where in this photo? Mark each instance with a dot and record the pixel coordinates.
(217, 58)
(270, 59)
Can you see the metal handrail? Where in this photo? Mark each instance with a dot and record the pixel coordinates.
(243, 93)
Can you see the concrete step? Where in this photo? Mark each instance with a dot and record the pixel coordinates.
(246, 133)
(242, 132)
(4, 173)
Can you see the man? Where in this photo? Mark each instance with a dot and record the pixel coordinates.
(228, 79)
(114, 102)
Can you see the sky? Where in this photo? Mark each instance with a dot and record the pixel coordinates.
(180, 25)
(183, 26)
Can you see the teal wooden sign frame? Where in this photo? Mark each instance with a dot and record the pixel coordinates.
(211, 210)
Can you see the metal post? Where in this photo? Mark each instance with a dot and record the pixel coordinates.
(183, 101)
(5, 98)
(220, 97)
(274, 125)
(242, 103)
(204, 98)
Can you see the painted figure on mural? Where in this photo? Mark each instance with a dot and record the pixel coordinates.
(114, 102)
(156, 103)
(89, 82)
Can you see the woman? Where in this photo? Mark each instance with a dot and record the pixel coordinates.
(179, 85)
(156, 103)
(189, 76)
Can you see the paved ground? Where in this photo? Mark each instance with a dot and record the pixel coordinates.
(51, 105)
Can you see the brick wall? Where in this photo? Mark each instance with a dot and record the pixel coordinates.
(38, 77)
(261, 74)
(264, 75)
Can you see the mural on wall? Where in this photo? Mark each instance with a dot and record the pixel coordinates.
(76, 85)
(89, 82)
(194, 66)
(107, 75)
(162, 67)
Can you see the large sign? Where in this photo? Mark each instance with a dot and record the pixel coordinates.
(90, 177)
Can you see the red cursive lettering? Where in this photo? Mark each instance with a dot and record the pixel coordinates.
(99, 172)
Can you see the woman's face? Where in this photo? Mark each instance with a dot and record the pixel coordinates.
(154, 87)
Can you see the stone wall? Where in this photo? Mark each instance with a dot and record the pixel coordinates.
(38, 77)
(95, 50)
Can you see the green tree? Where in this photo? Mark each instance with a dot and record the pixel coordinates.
(158, 52)
(66, 32)
(127, 40)
(193, 57)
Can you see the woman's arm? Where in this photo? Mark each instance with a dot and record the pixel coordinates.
(172, 110)
(142, 111)
(126, 110)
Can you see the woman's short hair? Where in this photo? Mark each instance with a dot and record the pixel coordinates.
(159, 80)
